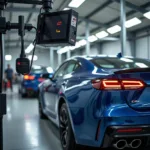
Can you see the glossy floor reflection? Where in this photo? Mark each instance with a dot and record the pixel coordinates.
(23, 130)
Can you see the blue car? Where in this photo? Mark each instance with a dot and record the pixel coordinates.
(99, 101)
(30, 82)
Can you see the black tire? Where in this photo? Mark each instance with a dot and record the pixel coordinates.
(23, 95)
(42, 115)
(66, 134)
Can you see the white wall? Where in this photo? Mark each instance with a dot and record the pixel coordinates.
(142, 46)
(113, 48)
(43, 57)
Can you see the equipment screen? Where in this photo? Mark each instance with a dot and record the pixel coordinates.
(55, 27)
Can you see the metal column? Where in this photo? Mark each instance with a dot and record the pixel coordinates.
(59, 59)
(1, 81)
(123, 31)
(148, 45)
(88, 43)
(68, 54)
(51, 57)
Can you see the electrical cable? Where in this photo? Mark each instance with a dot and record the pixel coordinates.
(34, 43)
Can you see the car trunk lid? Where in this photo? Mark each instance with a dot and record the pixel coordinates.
(137, 99)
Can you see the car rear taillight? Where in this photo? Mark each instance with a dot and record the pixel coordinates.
(132, 84)
(29, 77)
(129, 130)
(115, 84)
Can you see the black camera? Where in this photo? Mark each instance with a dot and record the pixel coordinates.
(57, 28)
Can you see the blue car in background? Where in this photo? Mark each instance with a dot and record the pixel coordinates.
(99, 101)
(30, 82)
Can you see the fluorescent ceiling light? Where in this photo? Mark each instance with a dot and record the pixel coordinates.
(114, 29)
(29, 48)
(66, 8)
(132, 22)
(8, 57)
(63, 50)
(34, 58)
(76, 3)
(68, 48)
(147, 15)
(102, 34)
(92, 38)
(82, 42)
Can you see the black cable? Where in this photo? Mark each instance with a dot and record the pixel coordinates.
(34, 43)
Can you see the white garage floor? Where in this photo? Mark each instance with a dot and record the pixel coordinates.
(23, 130)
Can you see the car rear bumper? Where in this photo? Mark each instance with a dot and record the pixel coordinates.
(128, 133)
(29, 87)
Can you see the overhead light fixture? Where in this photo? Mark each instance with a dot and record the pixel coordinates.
(76, 3)
(63, 50)
(147, 15)
(29, 48)
(102, 34)
(82, 42)
(132, 22)
(34, 58)
(92, 38)
(114, 29)
(8, 57)
(68, 48)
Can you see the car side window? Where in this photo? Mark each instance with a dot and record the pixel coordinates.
(72, 66)
(60, 72)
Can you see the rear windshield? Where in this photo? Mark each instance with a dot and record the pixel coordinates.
(39, 70)
(116, 63)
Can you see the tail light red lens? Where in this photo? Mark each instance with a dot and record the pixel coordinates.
(132, 84)
(129, 130)
(29, 77)
(110, 84)
(115, 84)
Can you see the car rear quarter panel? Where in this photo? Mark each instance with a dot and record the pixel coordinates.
(88, 106)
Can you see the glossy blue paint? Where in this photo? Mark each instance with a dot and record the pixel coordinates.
(88, 106)
(31, 84)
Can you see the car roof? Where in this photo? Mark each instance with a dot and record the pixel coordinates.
(98, 56)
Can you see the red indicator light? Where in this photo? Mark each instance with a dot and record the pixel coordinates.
(18, 63)
(59, 23)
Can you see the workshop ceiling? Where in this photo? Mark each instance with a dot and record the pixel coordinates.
(100, 14)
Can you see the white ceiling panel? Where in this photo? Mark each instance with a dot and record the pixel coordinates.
(104, 16)
(88, 6)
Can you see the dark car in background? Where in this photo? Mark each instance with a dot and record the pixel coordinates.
(29, 83)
